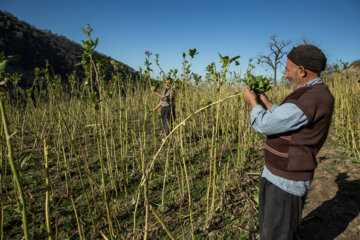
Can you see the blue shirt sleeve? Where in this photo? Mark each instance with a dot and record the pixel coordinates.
(278, 119)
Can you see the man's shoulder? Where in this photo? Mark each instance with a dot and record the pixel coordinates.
(318, 92)
(314, 91)
(312, 97)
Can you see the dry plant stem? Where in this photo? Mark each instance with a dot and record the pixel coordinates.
(1, 194)
(165, 176)
(2, 219)
(182, 184)
(78, 168)
(346, 107)
(1, 187)
(136, 205)
(213, 157)
(162, 223)
(188, 188)
(103, 235)
(209, 181)
(104, 130)
(146, 175)
(68, 179)
(47, 194)
(213, 185)
(66, 172)
(103, 184)
(180, 221)
(151, 165)
(14, 170)
(56, 229)
(146, 206)
(77, 219)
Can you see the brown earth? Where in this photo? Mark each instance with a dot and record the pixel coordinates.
(332, 206)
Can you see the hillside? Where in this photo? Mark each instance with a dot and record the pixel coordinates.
(355, 65)
(36, 46)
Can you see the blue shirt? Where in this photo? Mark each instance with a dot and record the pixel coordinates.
(280, 119)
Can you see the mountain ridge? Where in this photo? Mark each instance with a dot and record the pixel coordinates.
(37, 47)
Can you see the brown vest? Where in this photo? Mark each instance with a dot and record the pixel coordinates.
(291, 155)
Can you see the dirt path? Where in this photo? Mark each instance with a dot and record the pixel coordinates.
(332, 206)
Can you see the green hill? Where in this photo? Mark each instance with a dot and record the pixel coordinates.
(38, 46)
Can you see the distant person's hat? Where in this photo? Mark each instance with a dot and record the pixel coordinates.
(308, 56)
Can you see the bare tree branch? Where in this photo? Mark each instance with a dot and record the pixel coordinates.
(307, 41)
(277, 52)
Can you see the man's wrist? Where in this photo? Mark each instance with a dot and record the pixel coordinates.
(253, 103)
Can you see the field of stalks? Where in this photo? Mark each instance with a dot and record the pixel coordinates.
(90, 160)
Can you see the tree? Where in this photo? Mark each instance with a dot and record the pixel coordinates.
(277, 52)
(307, 41)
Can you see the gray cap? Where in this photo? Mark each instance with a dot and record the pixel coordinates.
(308, 56)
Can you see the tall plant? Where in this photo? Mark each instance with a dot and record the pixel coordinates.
(3, 61)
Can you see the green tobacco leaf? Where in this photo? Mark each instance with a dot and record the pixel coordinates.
(13, 58)
(234, 58)
(192, 52)
(259, 84)
(2, 66)
(85, 32)
(78, 64)
(256, 197)
(18, 207)
(5, 60)
(202, 102)
(23, 160)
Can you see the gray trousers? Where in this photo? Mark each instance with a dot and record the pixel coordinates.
(279, 212)
(167, 117)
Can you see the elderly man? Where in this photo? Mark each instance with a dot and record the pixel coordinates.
(296, 130)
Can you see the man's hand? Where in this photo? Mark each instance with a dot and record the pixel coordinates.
(250, 97)
(265, 101)
(153, 88)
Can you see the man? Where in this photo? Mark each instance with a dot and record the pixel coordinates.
(167, 105)
(296, 130)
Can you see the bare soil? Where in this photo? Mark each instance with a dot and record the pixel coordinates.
(332, 205)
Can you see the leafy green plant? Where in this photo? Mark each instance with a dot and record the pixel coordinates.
(87, 56)
(258, 84)
(6, 60)
(186, 65)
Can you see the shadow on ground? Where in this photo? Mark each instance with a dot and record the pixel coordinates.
(331, 218)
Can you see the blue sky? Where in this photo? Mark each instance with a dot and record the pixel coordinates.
(127, 28)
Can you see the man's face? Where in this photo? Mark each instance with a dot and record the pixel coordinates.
(167, 84)
(292, 75)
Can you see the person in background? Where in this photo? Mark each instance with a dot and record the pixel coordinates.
(296, 130)
(167, 105)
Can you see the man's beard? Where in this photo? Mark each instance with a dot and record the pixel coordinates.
(295, 82)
